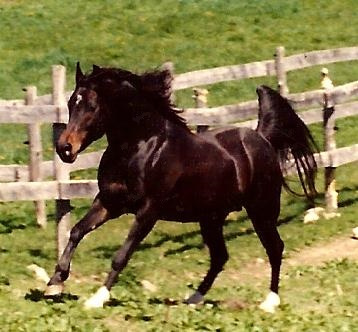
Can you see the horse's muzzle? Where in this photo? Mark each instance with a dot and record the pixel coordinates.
(66, 153)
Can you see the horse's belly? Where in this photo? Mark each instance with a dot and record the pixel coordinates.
(193, 207)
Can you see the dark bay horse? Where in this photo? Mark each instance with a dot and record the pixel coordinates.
(156, 168)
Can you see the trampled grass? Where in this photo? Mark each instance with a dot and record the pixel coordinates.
(139, 35)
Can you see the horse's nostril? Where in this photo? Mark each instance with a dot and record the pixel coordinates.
(67, 148)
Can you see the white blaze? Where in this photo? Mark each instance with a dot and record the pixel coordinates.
(79, 98)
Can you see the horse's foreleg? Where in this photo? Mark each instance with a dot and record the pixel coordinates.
(142, 225)
(96, 216)
(212, 233)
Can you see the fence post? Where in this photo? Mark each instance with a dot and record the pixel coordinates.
(200, 97)
(280, 71)
(35, 160)
(331, 195)
(61, 170)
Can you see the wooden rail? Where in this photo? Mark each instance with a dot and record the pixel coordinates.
(24, 191)
(215, 115)
(263, 68)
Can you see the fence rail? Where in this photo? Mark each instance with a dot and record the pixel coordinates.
(263, 68)
(215, 115)
(49, 190)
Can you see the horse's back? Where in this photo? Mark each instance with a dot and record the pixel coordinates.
(254, 157)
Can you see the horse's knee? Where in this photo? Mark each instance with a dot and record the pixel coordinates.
(76, 234)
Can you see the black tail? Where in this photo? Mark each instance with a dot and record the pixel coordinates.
(287, 133)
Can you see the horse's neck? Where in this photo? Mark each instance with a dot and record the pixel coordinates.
(129, 134)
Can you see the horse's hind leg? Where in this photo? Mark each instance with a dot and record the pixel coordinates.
(264, 216)
(212, 232)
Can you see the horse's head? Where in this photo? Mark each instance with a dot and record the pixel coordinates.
(84, 125)
(87, 114)
(106, 89)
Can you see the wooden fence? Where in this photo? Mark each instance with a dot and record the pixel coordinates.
(24, 182)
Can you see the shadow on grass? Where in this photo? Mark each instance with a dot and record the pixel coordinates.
(9, 225)
(182, 239)
(108, 251)
(115, 303)
(233, 304)
(38, 253)
(36, 295)
(349, 201)
(174, 302)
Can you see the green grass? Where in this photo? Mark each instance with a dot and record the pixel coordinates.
(139, 35)
(174, 260)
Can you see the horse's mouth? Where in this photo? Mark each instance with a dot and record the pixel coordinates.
(67, 156)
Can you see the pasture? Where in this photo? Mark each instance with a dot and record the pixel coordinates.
(316, 295)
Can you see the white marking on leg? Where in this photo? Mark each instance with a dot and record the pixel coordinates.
(271, 302)
(53, 290)
(98, 299)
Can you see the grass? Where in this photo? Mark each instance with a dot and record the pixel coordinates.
(142, 34)
(173, 259)
(194, 34)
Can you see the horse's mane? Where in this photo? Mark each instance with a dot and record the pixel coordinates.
(155, 86)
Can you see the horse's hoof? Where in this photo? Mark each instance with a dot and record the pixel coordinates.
(271, 302)
(53, 290)
(98, 299)
(196, 298)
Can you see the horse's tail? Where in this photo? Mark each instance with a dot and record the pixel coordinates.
(287, 133)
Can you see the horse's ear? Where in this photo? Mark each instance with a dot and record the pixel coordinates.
(95, 69)
(79, 74)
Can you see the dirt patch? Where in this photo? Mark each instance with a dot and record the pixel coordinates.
(337, 249)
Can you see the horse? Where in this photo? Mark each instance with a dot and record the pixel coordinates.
(156, 168)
